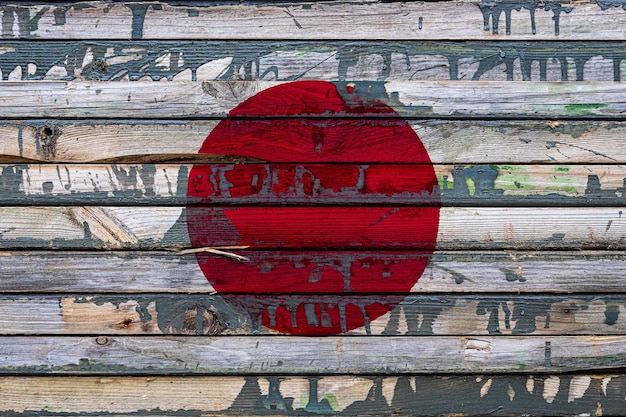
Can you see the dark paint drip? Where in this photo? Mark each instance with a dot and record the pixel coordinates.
(310, 314)
(412, 396)
(420, 314)
(470, 397)
(144, 58)
(606, 4)
(139, 16)
(482, 176)
(492, 11)
(525, 312)
(26, 24)
(11, 180)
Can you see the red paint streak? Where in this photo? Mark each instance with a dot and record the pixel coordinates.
(315, 141)
(324, 272)
(318, 141)
(315, 227)
(288, 183)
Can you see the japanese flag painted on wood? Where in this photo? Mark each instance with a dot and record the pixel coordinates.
(362, 144)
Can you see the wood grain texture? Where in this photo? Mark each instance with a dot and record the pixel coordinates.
(312, 184)
(106, 108)
(318, 20)
(441, 315)
(447, 141)
(513, 395)
(412, 99)
(452, 272)
(285, 355)
(492, 60)
(166, 228)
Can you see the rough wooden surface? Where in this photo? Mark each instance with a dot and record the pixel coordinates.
(107, 173)
(201, 314)
(447, 141)
(166, 227)
(373, 60)
(514, 395)
(293, 355)
(318, 20)
(441, 99)
(447, 272)
(312, 184)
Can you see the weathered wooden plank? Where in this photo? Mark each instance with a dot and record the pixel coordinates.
(455, 99)
(134, 272)
(375, 60)
(442, 315)
(288, 184)
(312, 227)
(318, 20)
(447, 142)
(512, 395)
(285, 355)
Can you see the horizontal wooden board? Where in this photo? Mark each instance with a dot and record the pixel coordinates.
(312, 184)
(310, 227)
(134, 272)
(447, 142)
(318, 20)
(285, 355)
(455, 99)
(443, 315)
(492, 60)
(474, 395)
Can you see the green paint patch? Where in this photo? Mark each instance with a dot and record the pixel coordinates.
(511, 168)
(470, 186)
(584, 109)
(514, 180)
(301, 54)
(332, 400)
(560, 184)
(304, 400)
(449, 185)
(561, 169)
(610, 359)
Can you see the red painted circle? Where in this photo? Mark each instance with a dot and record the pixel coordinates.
(350, 138)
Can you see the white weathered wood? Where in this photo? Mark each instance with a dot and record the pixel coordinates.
(457, 99)
(459, 228)
(318, 20)
(286, 355)
(459, 271)
(454, 141)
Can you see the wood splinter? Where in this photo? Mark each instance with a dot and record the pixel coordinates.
(218, 251)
